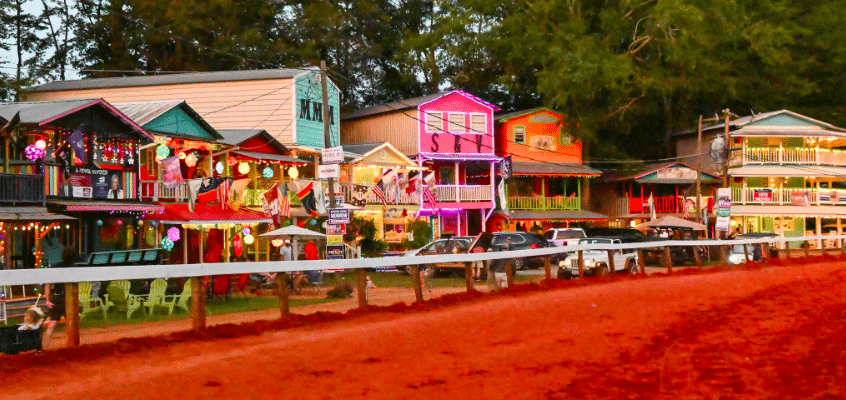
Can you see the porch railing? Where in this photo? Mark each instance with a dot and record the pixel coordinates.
(463, 193)
(404, 198)
(793, 155)
(788, 196)
(663, 204)
(157, 191)
(544, 203)
(22, 189)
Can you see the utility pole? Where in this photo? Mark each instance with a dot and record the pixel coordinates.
(326, 131)
(727, 116)
(699, 165)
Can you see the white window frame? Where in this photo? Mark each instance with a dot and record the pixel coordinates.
(462, 128)
(434, 126)
(515, 134)
(484, 120)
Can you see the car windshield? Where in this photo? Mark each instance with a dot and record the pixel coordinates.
(570, 234)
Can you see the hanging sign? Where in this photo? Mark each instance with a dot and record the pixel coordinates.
(335, 239)
(762, 195)
(326, 171)
(335, 252)
(332, 155)
(800, 197)
(723, 209)
(336, 229)
(339, 216)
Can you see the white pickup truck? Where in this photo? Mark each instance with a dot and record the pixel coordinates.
(564, 236)
(595, 262)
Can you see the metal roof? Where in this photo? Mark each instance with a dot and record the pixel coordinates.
(171, 79)
(362, 148)
(45, 112)
(742, 121)
(234, 137)
(30, 214)
(410, 103)
(145, 112)
(543, 168)
(515, 114)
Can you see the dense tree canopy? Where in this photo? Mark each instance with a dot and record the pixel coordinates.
(620, 69)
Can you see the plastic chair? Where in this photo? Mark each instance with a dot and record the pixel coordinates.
(156, 296)
(117, 295)
(221, 286)
(239, 285)
(179, 300)
(85, 301)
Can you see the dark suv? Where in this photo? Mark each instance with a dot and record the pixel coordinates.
(523, 241)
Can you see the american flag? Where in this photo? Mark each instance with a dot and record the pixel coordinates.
(430, 196)
(284, 202)
(377, 190)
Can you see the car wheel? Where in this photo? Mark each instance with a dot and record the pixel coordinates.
(632, 267)
(563, 273)
(602, 270)
(431, 271)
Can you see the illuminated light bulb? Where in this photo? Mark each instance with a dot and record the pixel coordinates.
(41, 144)
(243, 168)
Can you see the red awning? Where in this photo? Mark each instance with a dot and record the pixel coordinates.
(206, 214)
(104, 206)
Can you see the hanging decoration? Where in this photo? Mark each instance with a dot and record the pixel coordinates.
(99, 222)
(173, 234)
(313, 222)
(267, 172)
(41, 144)
(191, 159)
(181, 155)
(293, 172)
(33, 152)
(277, 242)
(119, 222)
(162, 152)
(167, 244)
(232, 161)
(249, 239)
(219, 168)
(246, 231)
(239, 248)
(243, 168)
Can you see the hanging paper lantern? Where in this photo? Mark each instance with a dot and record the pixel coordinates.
(293, 172)
(232, 161)
(277, 242)
(219, 167)
(99, 222)
(237, 245)
(173, 234)
(167, 244)
(246, 231)
(243, 168)
(140, 222)
(162, 151)
(119, 222)
(41, 144)
(191, 159)
(33, 152)
(181, 155)
(249, 239)
(313, 222)
(323, 225)
(301, 224)
(267, 172)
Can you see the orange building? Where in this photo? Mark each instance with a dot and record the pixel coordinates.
(546, 168)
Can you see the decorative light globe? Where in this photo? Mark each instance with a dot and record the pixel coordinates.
(219, 167)
(162, 151)
(173, 234)
(249, 239)
(293, 172)
(267, 172)
(243, 168)
(167, 244)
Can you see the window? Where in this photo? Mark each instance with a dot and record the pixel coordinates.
(456, 123)
(478, 123)
(447, 175)
(566, 139)
(519, 134)
(434, 121)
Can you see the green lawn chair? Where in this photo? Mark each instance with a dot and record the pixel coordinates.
(180, 300)
(156, 296)
(85, 301)
(117, 296)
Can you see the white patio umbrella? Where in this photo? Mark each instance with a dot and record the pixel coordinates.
(292, 232)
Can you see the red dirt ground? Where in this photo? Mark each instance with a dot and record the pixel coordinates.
(774, 332)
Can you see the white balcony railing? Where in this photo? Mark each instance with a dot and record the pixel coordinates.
(404, 198)
(793, 155)
(463, 193)
(788, 196)
(157, 191)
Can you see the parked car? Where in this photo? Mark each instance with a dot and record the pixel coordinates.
(522, 241)
(564, 236)
(595, 262)
(445, 245)
(625, 235)
(757, 252)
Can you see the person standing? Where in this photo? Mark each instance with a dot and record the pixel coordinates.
(55, 293)
(480, 245)
(310, 250)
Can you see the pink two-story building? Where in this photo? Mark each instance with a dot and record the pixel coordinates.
(451, 134)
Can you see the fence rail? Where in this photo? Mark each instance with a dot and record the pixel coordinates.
(21, 189)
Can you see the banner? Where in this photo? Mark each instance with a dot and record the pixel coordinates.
(171, 172)
(77, 142)
(359, 197)
(505, 168)
(723, 209)
(800, 197)
(270, 203)
(762, 195)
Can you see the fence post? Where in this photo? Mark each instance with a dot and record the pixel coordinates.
(284, 295)
(611, 267)
(807, 246)
(581, 264)
(696, 256)
(668, 261)
(198, 303)
(468, 276)
(641, 263)
(72, 314)
(547, 269)
(745, 253)
(509, 273)
(361, 283)
(415, 278)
